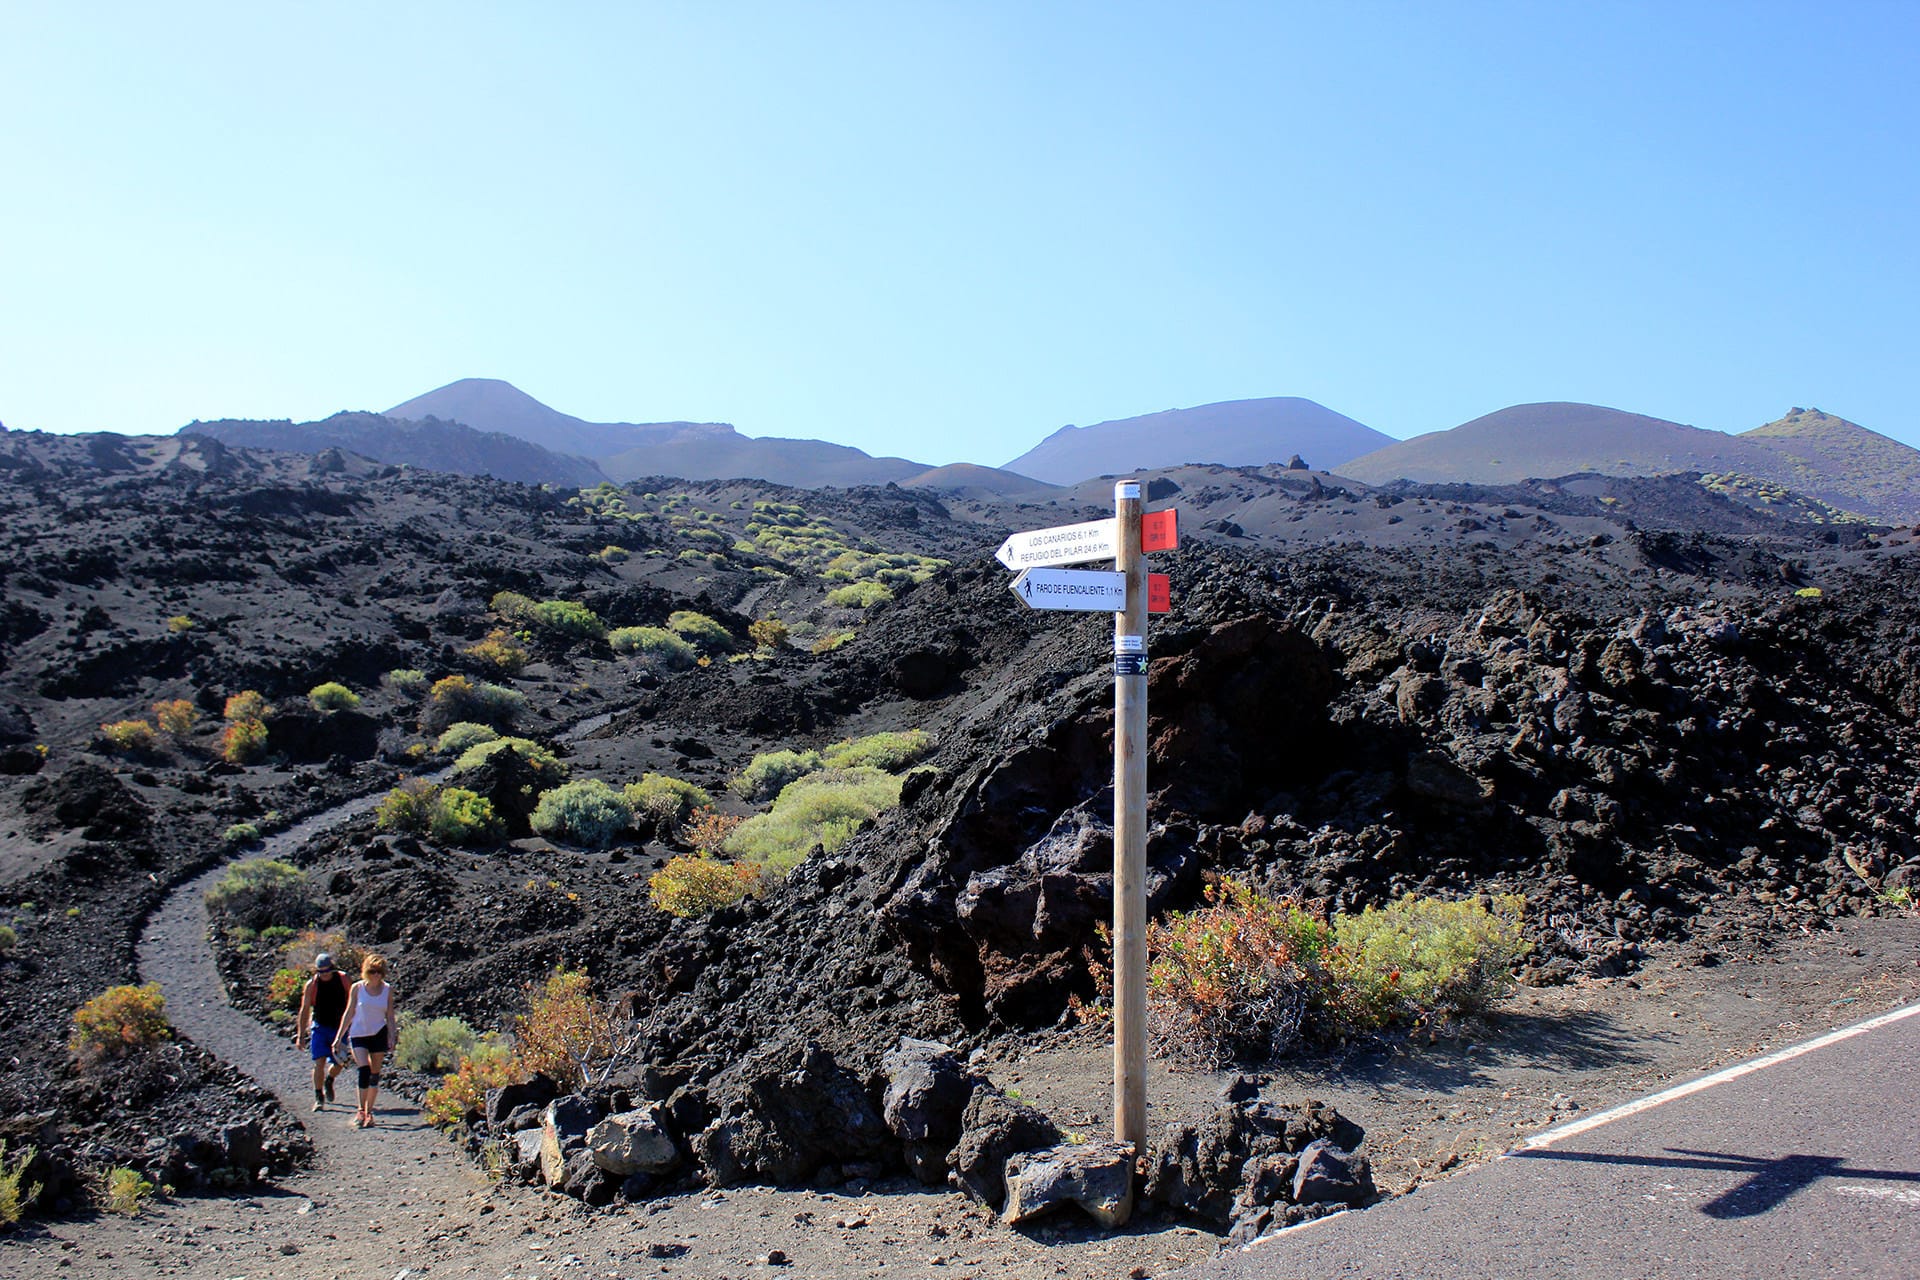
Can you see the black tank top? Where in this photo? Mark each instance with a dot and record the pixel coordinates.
(330, 1000)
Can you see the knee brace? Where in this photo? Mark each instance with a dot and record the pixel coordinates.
(373, 1079)
(367, 1077)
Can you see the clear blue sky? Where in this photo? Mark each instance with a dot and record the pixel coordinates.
(944, 230)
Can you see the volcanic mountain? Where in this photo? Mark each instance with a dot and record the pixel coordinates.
(430, 444)
(1247, 433)
(1811, 453)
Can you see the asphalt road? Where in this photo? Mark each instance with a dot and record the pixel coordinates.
(1802, 1168)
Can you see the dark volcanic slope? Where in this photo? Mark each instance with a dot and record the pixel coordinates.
(1700, 737)
(1233, 432)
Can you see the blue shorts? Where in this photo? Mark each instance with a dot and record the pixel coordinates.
(320, 1041)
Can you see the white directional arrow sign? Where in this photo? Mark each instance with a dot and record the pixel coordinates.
(1062, 544)
(1083, 590)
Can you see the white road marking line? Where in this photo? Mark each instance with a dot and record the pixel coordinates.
(1899, 1195)
(1540, 1141)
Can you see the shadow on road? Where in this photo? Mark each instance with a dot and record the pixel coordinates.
(1769, 1182)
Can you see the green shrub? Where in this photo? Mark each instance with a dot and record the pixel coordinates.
(241, 833)
(258, 892)
(550, 767)
(179, 623)
(823, 809)
(406, 681)
(464, 817)
(568, 619)
(614, 554)
(16, 1194)
(1427, 961)
(668, 801)
(284, 989)
(8, 939)
(408, 807)
(587, 812)
(700, 631)
(119, 1021)
(458, 738)
(175, 716)
(769, 772)
(243, 741)
(513, 608)
(890, 751)
(1245, 977)
(695, 885)
(126, 1190)
(656, 644)
(858, 595)
(433, 1044)
(332, 696)
(456, 698)
(830, 641)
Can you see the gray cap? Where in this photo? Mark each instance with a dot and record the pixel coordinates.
(324, 960)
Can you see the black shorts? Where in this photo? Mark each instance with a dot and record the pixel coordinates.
(375, 1043)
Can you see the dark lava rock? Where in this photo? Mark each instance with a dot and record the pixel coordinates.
(91, 798)
(928, 1086)
(786, 1113)
(992, 1128)
(1203, 1168)
(502, 1102)
(1329, 1175)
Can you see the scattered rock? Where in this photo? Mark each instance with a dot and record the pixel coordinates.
(992, 1128)
(1097, 1176)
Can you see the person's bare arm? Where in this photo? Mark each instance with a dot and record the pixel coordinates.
(346, 1019)
(305, 1016)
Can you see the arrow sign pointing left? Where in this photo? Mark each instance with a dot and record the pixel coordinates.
(1082, 590)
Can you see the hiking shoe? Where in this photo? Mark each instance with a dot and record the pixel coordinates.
(319, 1102)
(329, 1088)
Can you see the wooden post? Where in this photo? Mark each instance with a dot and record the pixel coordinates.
(1130, 828)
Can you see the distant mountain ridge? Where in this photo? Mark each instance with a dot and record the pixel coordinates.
(1235, 433)
(1811, 453)
(429, 444)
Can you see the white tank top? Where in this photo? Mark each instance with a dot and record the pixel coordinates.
(370, 1014)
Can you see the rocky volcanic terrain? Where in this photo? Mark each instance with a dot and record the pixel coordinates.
(1683, 728)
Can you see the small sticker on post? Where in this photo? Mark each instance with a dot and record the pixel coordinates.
(1129, 644)
(1129, 664)
(1127, 489)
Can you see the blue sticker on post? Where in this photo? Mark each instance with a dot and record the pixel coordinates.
(1129, 664)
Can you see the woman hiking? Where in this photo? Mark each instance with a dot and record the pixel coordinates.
(371, 1030)
(323, 1007)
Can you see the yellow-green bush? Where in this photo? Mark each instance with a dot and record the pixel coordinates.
(461, 737)
(702, 632)
(668, 801)
(406, 681)
(890, 751)
(822, 809)
(550, 767)
(462, 1092)
(119, 1021)
(858, 595)
(261, 892)
(770, 771)
(1427, 960)
(433, 1044)
(768, 633)
(125, 1191)
(16, 1194)
(694, 885)
(456, 698)
(656, 644)
(332, 696)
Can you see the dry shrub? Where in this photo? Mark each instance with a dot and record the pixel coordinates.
(499, 650)
(567, 1033)
(126, 1191)
(693, 885)
(175, 716)
(16, 1194)
(768, 633)
(130, 736)
(248, 704)
(243, 741)
(284, 988)
(117, 1022)
(706, 830)
(463, 1092)
(306, 945)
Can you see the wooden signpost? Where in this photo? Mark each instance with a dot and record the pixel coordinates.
(1131, 593)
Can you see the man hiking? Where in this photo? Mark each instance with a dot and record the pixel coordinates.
(323, 1006)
